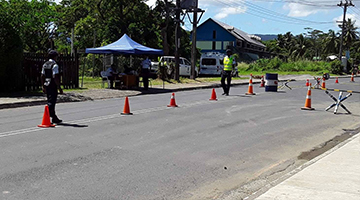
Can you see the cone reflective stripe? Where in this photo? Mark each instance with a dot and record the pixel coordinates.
(213, 95)
(262, 82)
(323, 83)
(308, 100)
(126, 107)
(336, 81)
(172, 101)
(352, 77)
(250, 90)
(307, 82)
(46, 119)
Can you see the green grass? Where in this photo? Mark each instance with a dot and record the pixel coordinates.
(96, 83)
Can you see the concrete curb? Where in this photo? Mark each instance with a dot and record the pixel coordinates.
(66, 100)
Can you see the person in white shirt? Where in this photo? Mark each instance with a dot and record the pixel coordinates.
(145, 69)
(50, 79)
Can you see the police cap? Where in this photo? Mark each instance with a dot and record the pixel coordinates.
(53, 53)
(228, 51)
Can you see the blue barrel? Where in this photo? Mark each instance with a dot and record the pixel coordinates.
(271, 82)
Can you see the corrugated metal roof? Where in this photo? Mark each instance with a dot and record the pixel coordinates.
(239, 34)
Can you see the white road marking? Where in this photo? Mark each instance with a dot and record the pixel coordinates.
(100, 118)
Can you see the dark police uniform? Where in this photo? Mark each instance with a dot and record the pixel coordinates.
(49, 70)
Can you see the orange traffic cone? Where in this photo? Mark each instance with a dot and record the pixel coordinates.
(213, 95)
(46, 119)
(250, 90)
(336, 81)
(126, 107)
(172, 101)
(308, 100)
(352, 77)
(307, 82)
(262, 82)
(323, 83)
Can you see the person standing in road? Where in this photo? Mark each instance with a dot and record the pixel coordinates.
(50, 80)
(146, 65)
(229, 66)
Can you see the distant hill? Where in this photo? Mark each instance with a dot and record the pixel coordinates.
(267, 37)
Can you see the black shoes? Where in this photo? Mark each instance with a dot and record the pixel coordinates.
(226, 94)
(56, 120)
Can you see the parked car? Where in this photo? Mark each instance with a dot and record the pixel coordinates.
(184, 65)
(212, 63)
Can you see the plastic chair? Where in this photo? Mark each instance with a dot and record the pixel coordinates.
(104, 78)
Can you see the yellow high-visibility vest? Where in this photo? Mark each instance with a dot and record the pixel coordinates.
(228, 63)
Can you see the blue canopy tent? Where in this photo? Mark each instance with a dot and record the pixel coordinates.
(125, 46)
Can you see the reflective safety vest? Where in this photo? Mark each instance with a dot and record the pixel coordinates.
(228, 63)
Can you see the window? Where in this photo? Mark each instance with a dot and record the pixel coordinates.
(208, 61)
(228, 43)
(204, 45)
(214, 34)
(187, 62)
(218, 46)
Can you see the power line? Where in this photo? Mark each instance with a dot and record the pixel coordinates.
(270, 15)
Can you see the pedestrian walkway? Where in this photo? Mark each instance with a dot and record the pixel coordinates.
(333, 175)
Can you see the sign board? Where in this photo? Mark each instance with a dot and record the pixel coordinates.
(186, 4)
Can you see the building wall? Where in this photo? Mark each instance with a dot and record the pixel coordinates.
(207, 40)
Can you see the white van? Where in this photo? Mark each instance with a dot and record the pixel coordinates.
(212, 63)
(184, 65)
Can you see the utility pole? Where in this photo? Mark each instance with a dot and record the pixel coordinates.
(193, 47)
(177, 40)
(341, 4)
(195, 22)
(72, 41)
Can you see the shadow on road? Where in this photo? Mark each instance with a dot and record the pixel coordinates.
(72, 125)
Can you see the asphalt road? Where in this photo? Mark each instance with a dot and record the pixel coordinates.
(201, 150)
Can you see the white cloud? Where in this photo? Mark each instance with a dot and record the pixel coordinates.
(353, 18)
(299, 10)
(224, 12)
(302, 10)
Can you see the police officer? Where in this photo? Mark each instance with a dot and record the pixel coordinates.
(145, 70)
(50, 80)
(229, 66)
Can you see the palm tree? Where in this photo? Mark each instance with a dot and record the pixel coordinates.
(300, 47)
(350, 34)
(331, 43)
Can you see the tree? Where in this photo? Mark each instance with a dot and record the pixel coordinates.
(300, 48)
(350, 34)
(11, 73)
(331, 43)
(33, 21)
(314, 36)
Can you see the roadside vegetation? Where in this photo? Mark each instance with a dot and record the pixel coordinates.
(278, 66)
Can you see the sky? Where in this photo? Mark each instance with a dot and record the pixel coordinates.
(276, 16)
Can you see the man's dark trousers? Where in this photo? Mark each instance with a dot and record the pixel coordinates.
(51, 94)
(146, 78)
(227, 75)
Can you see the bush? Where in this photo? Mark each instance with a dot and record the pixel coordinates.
(335, 67)
(11, 52)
